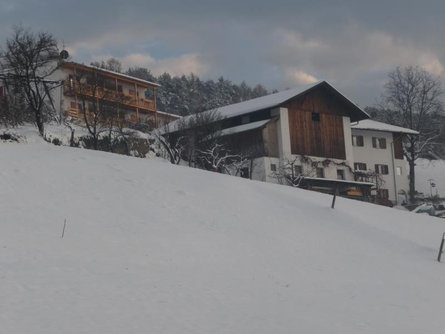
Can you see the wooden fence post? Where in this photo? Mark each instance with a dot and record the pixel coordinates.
(441, 248)
(335, 196)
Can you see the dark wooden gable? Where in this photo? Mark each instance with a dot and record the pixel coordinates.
(316, 124)
(398, 145)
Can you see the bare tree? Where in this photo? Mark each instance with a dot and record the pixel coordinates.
(13, 110)
(194, 134)
(30, 60)
(169, 149)
(412, 100)
(99, 106)
(220, 159)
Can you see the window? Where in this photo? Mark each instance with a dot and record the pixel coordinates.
(119, 88)
(244, 172)
(298, 170)
(316, 116)
(340, 174)
(1, 91)
(378, 142)
(398, 171)
(132, 92)
(273, 167)
(382, 169)
(320, 172)
(357, 140)
(360, 166)
(382, 142)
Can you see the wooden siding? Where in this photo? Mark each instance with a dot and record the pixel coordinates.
(249, 143)
(398, 146)
(270, 139)
(319, 100)
(323, 138)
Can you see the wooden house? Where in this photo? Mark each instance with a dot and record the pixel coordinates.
(300, 135)
(132, 99)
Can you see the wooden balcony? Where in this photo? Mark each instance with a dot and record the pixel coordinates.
(72, 89)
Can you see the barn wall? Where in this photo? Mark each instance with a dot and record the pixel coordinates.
(320, 138)
(270, 139)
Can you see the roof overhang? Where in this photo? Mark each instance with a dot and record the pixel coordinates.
(372, 125)
(120, 76)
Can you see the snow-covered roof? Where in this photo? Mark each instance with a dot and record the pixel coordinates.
(244, 127)
(115, 73)
(275, 100)
(168, 114)
(369, 124)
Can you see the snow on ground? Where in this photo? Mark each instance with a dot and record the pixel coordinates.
(430, 169)
(155, 248)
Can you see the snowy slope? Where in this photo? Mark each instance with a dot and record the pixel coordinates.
(155, 248)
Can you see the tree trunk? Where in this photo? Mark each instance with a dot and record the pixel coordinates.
(412, 179)
(95, 140)
(39, 122)
(72, 138)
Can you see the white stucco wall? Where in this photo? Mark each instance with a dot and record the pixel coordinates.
(348, 142)
(57, 93)
(371, 156)
(284, 148)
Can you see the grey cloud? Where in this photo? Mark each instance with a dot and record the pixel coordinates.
(351, 43)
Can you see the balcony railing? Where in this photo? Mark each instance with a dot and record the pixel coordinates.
(108, 95)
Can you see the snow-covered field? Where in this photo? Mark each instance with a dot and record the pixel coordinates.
(430, 169)
(155, 248)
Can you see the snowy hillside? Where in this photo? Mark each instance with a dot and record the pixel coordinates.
(155, 248)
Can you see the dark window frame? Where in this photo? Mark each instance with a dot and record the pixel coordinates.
(341, 175)
(382, 169)
(358, 140)
(360, 166)
(379, 143)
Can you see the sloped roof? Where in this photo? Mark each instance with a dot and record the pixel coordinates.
(277, 99)
(369, 124)
(244, 127)
(122, 75)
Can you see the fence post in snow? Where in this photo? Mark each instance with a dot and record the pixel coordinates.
(441, 248)
(335, 196)
(63, 231)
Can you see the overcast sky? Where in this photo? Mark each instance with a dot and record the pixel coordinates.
(280, 44)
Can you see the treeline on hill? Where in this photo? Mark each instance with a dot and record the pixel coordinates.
(188, 94)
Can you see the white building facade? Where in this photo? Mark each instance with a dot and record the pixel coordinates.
(377, 149)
